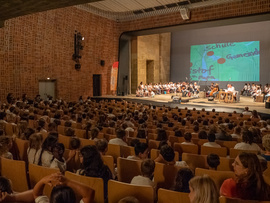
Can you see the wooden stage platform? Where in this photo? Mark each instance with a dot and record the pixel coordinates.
(198, 103)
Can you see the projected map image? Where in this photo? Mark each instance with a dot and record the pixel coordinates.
(232, 61)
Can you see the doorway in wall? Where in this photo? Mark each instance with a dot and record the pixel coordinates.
(96, 85)
(47, 88)
(150, 71)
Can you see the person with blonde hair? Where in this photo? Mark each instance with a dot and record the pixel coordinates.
(34, 149)
(203, 190)
(266, 145)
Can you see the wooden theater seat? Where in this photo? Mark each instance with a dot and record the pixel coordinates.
(195, 160)
(65, 140)
(155, 153)
(108, 160)
(36, 173)
(85, 142)
(217, 176)
(183, 148)
(22, 146)
(165, 196)
(127, 169)
(234, 152)
(164, 175)
(126, 151)
(114, 151)
(118, 190)
(94, 183)
(16, 172)
(222, 152)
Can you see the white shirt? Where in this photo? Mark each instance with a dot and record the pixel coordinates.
(46, 158)
(211, 144)
(33, 155)
(246, 146)
(58, 164)
(118, 141)
(141, 180)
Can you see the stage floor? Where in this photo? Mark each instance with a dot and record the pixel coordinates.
(198, 103)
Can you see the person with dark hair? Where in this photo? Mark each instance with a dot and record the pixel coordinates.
(5, 186)
(141, 151)
(247, 142)
(202, 134)
(211, 141)
(248, 183)
(182, 179)
(178, 133)
(41, 125)
(147, 170)
(141, 133)
(120, 138)
(94, 134)
(46, 155)
(64, 190)
(58, 160)
(166, 156)
(187, 137)
(93, 166)
(213, 161)
(162, 135)
(102, 146)
(222, 133)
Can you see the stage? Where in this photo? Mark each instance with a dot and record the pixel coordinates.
(198, 103)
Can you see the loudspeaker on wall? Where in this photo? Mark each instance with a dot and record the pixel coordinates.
(185, 13)
(102, 62)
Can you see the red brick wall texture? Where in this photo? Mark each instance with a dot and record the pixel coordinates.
(38, 46)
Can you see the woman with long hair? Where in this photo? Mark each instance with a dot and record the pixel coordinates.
(248, 182)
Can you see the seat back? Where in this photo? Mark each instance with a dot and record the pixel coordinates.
(223, 199)
(222, 152)
(195, 160)
(108, 160)
(234, 152)
(10, 129)
(164, 175)
(225, 164)
(155, 153)
(227, 144)
(165, 196)
(126, 151)
(114, 151)
(16, 172)
(22, 146)
(85, 142)
(217, 176)
(94, 183)
(36, 173)
(153, 144)
(181, 148)
(65, 140)
(118, 190)
(80, 133)
(127, 169)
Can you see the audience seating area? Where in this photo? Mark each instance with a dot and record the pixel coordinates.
(24, 176)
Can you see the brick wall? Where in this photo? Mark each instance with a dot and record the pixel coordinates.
(38, 46)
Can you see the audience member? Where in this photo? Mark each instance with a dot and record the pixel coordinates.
(213, 161)
(183, 176)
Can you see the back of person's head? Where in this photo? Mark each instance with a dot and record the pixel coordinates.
(52, 127)
(188, 137)
(61, 193)
(129, 199)
(35, 141)
(178, 133)
(162, 135)
(211, 137)
(74, 143)
(5, 185)
(133, 142)
(147, 167)
(102, 146)
(94, 133)
(266, 142)
(202, 134)
(41, 123)
(237, 130)
(140, 148)
(141, 133)
(70, 132)
(196, 128)
(120, 133)
(49, 142)
(2, 115)
(5, 144)
(68, 124)
(247, 137)
(92, 161)
(213, 161)
(204, 190)
(167, 153)
(182, 179)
